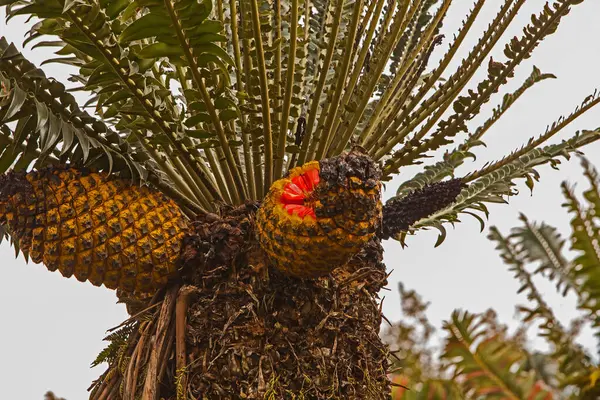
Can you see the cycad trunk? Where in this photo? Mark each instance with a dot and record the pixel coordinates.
(238, 329)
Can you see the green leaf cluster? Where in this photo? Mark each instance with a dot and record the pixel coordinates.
(211, 101)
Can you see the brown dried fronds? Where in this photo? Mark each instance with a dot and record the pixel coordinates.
(51, 396)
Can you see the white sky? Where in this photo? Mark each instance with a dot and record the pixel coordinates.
(52, 327)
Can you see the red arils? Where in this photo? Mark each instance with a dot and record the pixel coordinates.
(293, 194)
(301, 183)
(300, 210)
(297, 191)
(312, 178)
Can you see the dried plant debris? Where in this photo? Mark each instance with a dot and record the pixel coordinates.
(253, 332)
(52, 396)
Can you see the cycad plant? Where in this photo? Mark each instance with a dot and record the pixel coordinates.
(479, 358)
(228, 185)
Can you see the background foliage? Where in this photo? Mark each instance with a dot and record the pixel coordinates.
(479, 358)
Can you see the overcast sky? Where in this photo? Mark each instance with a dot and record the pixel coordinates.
(52, 327)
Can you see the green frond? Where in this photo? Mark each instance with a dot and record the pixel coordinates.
(589, 102)
(289, 82)
(571, 358)
(50, 127)
(410, 38)
(343, 67)
(324, 85)
(592, 194)
(585, 238)
(418, 110)
(508, 100)
(117, 340)
(431, 389)
(493, 187)
(455, 158)
(214, 100)
(396, 89)
(264, 94)
(378, 62)
(465, 107)
(484, 360)
(123, 79)
(51, 123)
(541, 243)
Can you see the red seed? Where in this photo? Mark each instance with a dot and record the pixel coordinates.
(293, 188)
(292, 198)
(312, 178)
(295, 193)
(300, 210)
(307, 212)
(301, 183)
(293, 208)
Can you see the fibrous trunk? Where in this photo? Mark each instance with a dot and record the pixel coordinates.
(238, 329)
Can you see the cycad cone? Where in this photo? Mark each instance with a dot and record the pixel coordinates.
(313, 221)
(94, 227)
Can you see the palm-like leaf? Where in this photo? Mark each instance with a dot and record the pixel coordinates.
(498, 182)
(533, 243)
(541, 246)
(47, 117)
(584, 240)
(479, 359)
(485, 361)
(220, 99)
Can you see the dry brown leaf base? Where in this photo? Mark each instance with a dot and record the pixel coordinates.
(236, 329)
